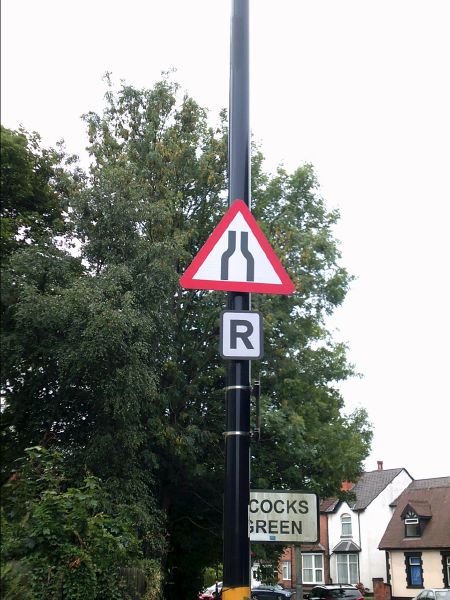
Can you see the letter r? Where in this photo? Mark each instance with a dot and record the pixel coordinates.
(243, 330)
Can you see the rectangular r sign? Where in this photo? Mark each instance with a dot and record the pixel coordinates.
(241, 335)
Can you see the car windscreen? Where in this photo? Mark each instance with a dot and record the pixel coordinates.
(343, 593)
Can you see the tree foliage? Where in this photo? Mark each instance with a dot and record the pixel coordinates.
(63, 541)
(108, 360)
(35, 187)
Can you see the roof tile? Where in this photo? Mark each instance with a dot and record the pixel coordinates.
(371, 485)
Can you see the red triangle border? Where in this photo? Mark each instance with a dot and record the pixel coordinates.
(285, 287)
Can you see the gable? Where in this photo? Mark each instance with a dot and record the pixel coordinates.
(417, 508)
(372, 484)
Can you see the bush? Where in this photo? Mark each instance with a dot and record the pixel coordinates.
(58, 541)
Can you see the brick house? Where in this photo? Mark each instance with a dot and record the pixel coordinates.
(417, 538)
(315, 564)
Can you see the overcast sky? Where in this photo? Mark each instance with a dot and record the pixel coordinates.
(359, 88)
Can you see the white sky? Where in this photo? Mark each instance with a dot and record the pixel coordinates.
(359, 88)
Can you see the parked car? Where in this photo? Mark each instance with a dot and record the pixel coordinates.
(210, 593)
(339, 591)
(271, 592)
(434, 594)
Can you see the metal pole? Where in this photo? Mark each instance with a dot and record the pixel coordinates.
(236, 560)
(298, 573)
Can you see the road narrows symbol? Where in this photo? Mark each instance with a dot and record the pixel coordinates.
(250, 261)
(237, 257)
(226, 255)
(248, 256)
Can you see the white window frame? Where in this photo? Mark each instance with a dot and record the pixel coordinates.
(414, 561)
(412, 527)
(346, 524)
(346, 563)
(316, 558)
(286, 570)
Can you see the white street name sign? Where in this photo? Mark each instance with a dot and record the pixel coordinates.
(285, 517)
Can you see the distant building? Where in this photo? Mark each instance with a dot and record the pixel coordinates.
(417, 538)
(349, 533)
(354, 527)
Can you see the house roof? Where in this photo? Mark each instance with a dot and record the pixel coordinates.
(367, 488)
(370, 486)
(430, 483)
(329, 504)
(425, 484)
(421, 508)
(436, 532)
(346, 546)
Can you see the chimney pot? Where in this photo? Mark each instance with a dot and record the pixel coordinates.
(380, 465)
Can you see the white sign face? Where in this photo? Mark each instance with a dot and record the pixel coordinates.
(241, 335)
(283, 517)
(238, 256)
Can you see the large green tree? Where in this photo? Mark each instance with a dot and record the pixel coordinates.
(35, 185)
(107, 358)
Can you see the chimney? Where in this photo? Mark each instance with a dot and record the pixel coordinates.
(346, 486)
(380, 465)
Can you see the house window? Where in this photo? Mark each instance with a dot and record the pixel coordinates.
(286, 569)
(414, 572)
(446, 568)
(312, 568)
(347, 568)
(346, 526)
(412, 527)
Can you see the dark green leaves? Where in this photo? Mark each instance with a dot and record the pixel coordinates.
(108, 360)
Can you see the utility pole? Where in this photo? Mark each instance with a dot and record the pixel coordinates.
(298, 573)
(238, 258)
(236, 567)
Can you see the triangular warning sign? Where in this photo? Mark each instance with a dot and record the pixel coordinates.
(237, 258)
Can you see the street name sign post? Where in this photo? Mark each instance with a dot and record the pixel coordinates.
(285, 517)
